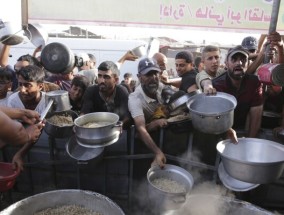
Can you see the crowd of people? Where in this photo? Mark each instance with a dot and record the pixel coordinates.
(94, 88)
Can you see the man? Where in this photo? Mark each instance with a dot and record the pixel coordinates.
(185, 70)
(245, 87)
(31, 97)
(88, 68)
(211, 60)
(107, 96)
(144, 102)
(127, 78)
(162, 62)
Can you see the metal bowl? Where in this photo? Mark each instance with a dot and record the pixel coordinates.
(232, 183)
(59, 131)
(57, 198)
(252, 160)
(167, 200)
(212, 114)
(100, 135)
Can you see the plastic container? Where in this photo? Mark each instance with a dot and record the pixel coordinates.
(7, 176)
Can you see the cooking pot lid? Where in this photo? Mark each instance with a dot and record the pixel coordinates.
(81, 153)
(56, 57)
(232, 183)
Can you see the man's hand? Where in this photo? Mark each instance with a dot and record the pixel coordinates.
(208, 87)
(30, 117)
(161, 123)
(34, 131)
(18, 162)
(232, 135)
(160, 160)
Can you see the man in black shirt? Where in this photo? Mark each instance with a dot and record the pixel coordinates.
(107, 95)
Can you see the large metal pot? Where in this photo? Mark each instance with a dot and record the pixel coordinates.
(57, 131)
(165, 200)
(212, 114)
(99, 136)
(214, 204)
(58, 58)
(252, 160)
(91, 200)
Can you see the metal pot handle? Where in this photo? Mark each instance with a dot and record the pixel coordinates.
(118, 125)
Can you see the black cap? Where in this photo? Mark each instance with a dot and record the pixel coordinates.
(146, 65)
(237, 49)
(249, 43)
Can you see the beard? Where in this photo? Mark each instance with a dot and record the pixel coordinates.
(236, 74)
(150, 88)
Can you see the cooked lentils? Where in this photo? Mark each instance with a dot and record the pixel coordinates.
(68, 210)
(169, 185)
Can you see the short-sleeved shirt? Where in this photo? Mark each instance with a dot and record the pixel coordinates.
(204, 75)
(93, 102)
(249, 95)
(187, 80)
(14, 101)
(140, 104)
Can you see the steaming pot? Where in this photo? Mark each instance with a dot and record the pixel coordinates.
(161, 199)
(212, 114)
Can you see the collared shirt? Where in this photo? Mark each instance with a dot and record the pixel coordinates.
(249, 95)
(139, 104)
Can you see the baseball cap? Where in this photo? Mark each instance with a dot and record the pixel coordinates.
(237, 49)
(146, 65)
(249, 43)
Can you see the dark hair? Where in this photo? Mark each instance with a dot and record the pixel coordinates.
(210, 48)
(6, 74)
(186, 55)
(197, 61)
(32, 73)
(109, 65)
(92, 57)
(127, 75)
(80, 81)
(32, 60)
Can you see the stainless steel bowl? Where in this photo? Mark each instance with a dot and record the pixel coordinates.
(90, 200)
(166, 200)
(59, 131)
(100, 135)
(252, 160)
(212, 114)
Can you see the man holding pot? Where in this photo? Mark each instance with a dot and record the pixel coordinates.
(143, 103)
(107, 95)
(246, 88)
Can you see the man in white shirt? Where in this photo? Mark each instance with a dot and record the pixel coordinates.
(143, 103)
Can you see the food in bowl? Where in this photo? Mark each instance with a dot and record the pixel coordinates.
(168, 185)
(68, 210)
(95, 124)
(61, 120)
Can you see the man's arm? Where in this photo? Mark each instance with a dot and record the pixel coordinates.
(255, 115)
(160, 158)
(4, 55)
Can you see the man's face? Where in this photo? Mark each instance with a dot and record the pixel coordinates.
(237, 65)
(182, 66)
(211, 62)
(106, 81)
(5, 86)
(127, 80)
(75, 93)
(149, 82)
(28, 91)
